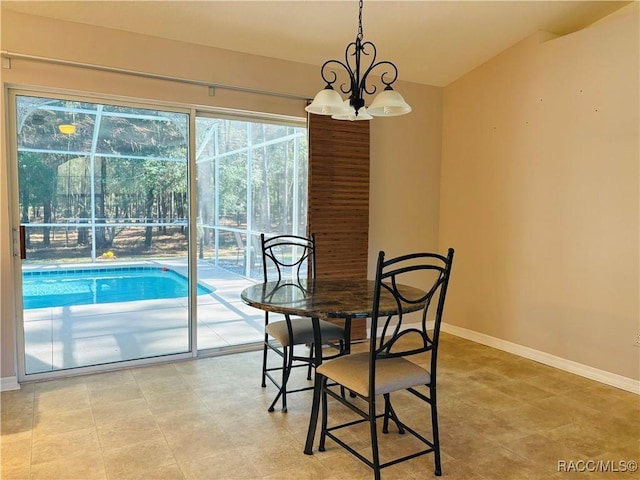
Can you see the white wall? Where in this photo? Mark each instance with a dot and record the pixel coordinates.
(539, 195)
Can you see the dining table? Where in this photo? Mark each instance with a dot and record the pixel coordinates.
(323, 298)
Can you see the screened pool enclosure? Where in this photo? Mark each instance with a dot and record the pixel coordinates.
(102, 182)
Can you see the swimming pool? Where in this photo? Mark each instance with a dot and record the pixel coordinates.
(66, 287)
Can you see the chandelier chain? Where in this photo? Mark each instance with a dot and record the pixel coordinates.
(360, 35)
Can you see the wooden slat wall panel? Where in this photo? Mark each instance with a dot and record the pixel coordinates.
(339, 199)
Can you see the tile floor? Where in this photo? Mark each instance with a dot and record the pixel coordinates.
(501, 417)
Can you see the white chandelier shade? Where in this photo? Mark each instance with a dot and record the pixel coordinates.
(389, 103)
(327, 102)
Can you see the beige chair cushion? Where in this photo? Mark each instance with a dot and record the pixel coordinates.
(392, 374)
(303, 331)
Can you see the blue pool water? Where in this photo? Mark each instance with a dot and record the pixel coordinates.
(68, 287)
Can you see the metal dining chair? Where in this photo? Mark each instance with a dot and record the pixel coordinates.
(293, 257)
(386, 368)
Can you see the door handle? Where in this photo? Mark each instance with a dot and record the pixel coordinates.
(23, 243)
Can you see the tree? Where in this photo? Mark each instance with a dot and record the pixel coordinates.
(37, 186)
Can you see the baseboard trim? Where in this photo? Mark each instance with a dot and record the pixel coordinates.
(602, 376)
(586, 371)
(9, 383)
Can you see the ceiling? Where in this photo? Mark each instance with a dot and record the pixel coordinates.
(431, 42)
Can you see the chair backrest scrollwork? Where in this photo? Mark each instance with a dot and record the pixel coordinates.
(288, 257)
(392, 278)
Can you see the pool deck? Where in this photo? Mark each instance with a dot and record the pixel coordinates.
(68, 337)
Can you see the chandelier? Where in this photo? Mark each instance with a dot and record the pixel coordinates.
(387, 103)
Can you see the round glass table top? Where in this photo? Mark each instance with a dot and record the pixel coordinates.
(331, 298)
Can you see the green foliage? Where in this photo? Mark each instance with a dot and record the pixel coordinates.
(140, 164)
(37, 175)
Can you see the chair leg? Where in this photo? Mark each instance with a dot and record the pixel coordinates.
(325, 412)
(287, 360)
(264, 361)
(285, 375)
(436, 439)
(390, 413)
(375, 458)
(385, 423)
(311, 350)
(343, 351)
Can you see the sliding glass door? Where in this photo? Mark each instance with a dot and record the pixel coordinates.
(103, 211)
(251, 179)
(119, 267)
